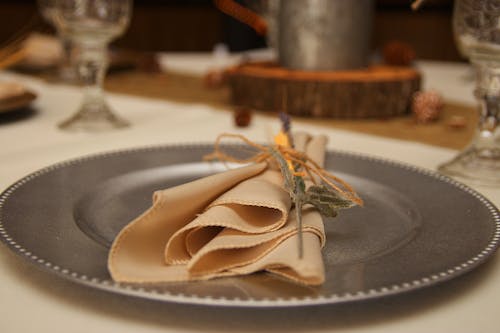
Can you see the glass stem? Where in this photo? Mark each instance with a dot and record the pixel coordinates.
(92, 65)
(66, 70)
(487, 91)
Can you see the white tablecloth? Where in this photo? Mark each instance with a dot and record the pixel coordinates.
(34, 301)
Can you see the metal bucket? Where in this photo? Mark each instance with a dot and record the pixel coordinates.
(325, 34)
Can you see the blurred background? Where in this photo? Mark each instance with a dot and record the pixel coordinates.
(197, 25)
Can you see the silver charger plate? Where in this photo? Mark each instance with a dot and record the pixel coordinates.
(417, 228)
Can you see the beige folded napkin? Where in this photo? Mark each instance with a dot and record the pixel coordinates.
(232, 223)
(10, 90)
(41, 50)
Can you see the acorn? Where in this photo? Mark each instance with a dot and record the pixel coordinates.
(242, 116)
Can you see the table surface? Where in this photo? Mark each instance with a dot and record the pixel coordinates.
(35, 301)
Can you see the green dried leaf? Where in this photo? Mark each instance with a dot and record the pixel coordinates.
(326, 200)
(300, 185)
(285, 171)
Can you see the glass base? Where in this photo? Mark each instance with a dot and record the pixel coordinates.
(91, 118)
(475, 166)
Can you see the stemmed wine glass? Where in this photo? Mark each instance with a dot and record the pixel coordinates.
(66, 71)
(91, 25)
(476, 25)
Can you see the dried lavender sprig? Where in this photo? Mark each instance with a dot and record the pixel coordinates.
(286, 126)
(285, 122)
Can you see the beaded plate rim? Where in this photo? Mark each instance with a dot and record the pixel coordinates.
(155, 294)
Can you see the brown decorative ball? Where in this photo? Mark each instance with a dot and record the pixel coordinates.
(397, 53)
(242, 116)
(427, 106)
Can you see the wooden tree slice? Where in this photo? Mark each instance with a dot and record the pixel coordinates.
(377, 91)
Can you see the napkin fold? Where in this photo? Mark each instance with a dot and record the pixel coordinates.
(41, 51)
(10, 90)
(233, 223)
